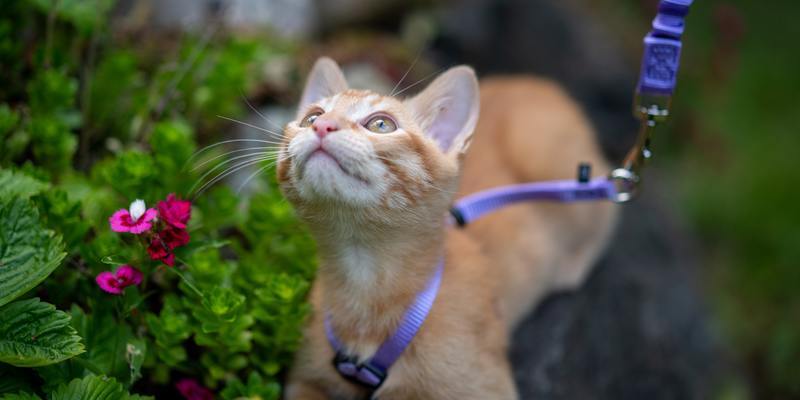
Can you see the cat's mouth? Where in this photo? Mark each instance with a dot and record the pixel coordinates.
(330, 158)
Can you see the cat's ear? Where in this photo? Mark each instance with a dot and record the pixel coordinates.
(447, 110)
(324, 80)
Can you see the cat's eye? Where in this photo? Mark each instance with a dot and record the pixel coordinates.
(310, 118)
(381, 124)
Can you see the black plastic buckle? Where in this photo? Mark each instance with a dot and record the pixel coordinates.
(584, 172)
(342, 360)
(458, 217)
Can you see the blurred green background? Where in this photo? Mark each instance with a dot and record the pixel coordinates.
(732, 149)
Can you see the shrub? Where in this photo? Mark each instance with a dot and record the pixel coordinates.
(87, 126)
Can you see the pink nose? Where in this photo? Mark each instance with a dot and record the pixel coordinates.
(323, 126)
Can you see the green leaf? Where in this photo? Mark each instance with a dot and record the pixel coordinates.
(55, 375)
(255, 388)
(62, 215)
(34, 334)
(52, 91)
(8, 120)
(16, 184)
(86, 15)
(20, 396)
(28, 252)
(92, 387)
(105, 339)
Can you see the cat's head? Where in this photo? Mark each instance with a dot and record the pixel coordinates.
(376, 155)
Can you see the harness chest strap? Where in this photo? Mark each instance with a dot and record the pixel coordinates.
(373, 372)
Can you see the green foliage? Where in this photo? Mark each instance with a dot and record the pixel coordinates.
(20, 396)
(34, 334)
(92, 388)
(28, 252)
(254, 388)
(88, 123)
(51, 96)
(19, 185)
(59, 212)
(86, 15)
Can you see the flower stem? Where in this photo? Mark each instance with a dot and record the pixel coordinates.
(186, 280)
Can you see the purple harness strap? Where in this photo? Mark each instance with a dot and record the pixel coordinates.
(371, 373)
(662, 48)
(476, 205)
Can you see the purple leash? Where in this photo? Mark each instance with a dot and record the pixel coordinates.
(662, 48)
(657, 79)
(373, 372)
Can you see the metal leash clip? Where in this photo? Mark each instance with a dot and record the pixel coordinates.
(659, 71)
(650, 110)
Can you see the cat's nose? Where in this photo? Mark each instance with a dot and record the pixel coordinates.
(323, 126)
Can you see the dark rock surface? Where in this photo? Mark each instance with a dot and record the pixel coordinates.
(637, 329)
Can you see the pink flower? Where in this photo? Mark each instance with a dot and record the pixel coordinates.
(175, 212)
(116, 282)
(164, 242)
(191, 390)
(174, 237)
(159, 251)
(135, 220)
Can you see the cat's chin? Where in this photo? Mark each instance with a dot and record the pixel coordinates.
(322, 178)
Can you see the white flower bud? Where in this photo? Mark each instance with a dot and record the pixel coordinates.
(137, 209)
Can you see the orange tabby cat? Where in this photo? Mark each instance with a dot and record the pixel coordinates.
(373, 178)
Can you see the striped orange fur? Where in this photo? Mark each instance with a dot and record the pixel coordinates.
(376, 203)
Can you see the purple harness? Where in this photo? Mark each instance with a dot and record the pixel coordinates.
(373, 372)
(662, 47)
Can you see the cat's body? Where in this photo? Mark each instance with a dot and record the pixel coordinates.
(379, 218)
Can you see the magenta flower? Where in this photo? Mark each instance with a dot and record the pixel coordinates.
(135, 220)
(191, 390)
(116, 282)
(175, 212)
(162, 244)
(158, 250)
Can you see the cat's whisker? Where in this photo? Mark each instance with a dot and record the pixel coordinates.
(211, 146)
(419, 81)
(221, 165)
(227, 172)
(260, 114)
(260, 150)
(253, 175)
(431, 185)
(271, 132)
(391, 94)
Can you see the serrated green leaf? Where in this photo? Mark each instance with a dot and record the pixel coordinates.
(16, 184)
(91, 387)
(28, 252)
(33, 334)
